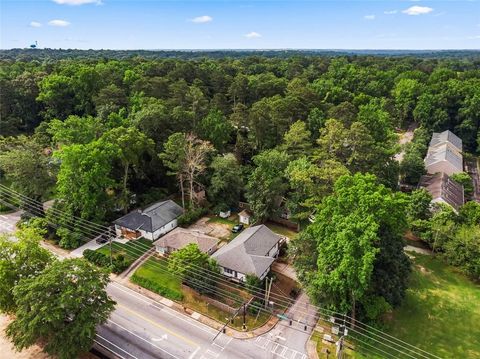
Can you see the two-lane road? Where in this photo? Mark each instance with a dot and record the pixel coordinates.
(145, 329)
(142, 328)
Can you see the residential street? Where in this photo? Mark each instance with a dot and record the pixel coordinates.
(142, 328)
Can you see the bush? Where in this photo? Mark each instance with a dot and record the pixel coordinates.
(69, 239)
(255, 306)
(191, 216)
(119, 263)
(157, 288)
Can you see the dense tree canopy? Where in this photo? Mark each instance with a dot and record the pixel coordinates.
(355, 263)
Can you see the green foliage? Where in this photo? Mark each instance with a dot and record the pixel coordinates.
(466, 181)
(195, 268)
(69, 239)
(226, 183)
(216, 129)
(266, 183)
(157, 287)
(253, 284)
(20, 260)
(118, 265)
(61, 307)
(357, 232)
(26, 167)
(190, 216)
(463, 250)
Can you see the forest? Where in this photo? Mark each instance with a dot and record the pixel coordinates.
(314, 135)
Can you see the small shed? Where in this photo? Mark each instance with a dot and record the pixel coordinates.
(245, 217)
(225, 214)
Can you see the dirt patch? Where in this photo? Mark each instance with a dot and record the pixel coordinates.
(7, 350)
(214, 229)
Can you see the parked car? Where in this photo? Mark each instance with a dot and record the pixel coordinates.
(102, 239)
(237, 228)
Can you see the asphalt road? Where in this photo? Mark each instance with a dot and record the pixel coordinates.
(142, 328)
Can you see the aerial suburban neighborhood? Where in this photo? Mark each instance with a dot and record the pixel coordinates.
(229, 180)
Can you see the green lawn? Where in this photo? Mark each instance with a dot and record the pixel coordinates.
(156, 270)
(131, 250)
(282, 230)
(441, 312)
(230, 220)
(155, 276)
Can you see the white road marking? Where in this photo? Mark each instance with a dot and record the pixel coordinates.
(163, 337)
(281, 338)
(195, 352)
(116, 346)
(211, 353)
(145, 340)
(168, 310)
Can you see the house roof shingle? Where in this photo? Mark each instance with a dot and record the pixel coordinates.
(446, 153)
(439, 138)
(248, 252)
(441, 186)
(180, 237)
(151, 218)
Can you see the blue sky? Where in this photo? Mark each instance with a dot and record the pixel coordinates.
(154, 24)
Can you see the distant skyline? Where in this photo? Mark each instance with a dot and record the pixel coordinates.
(267, 24)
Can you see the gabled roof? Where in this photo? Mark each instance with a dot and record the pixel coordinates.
(439, 138)
(180, 237)
(441, 186)
(248, 252)
(151, 218)
(444, 152)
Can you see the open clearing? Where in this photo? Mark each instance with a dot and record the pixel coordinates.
(441, 311)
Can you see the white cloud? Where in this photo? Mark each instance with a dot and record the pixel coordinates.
(202, 19)
(252, 35)
(417, 10)
(35, 24)
(58, 23)
(77, 2)
(390, 12)
(369, 17)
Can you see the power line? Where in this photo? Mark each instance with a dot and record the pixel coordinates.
(289, 301)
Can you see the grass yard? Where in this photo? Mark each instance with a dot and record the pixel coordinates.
(131, 250)
(155, 270)
(282, 230)
(154, 275)
(441, 312)
(229, 221)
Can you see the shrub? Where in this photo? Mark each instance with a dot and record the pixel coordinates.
(255, 307)
(191, 216)
(157, 288)
(119, 263)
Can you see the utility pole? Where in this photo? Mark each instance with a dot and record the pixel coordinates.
(110, 235)
(244, 326)
(268, 288)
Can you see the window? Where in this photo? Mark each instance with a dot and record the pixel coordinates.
(227, 270)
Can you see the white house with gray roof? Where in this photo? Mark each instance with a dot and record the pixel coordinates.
(252, 252)
(444, 154)
(150, 223)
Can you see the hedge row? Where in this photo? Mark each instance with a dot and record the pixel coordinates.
(191, 216)
(156, 287)
(119, 262)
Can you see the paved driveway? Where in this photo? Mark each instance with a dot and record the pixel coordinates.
(89, 245)
(8, 221)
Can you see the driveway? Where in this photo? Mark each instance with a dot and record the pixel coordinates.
(93, 245)
(214, 229)
(8, 221)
